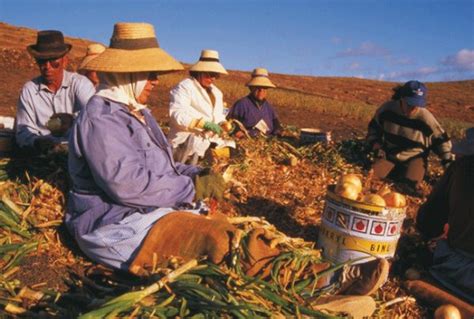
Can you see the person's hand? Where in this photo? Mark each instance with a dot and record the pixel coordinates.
(210, 126)
(43, 144)
(209, 185)
(60, 123)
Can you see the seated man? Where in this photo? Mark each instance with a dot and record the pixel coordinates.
(196, 110)
(452, 202)
(254, 111)
(48, 103)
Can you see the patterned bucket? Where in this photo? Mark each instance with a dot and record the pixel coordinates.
(352, 229)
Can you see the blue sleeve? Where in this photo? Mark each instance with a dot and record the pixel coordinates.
(235, 112)
(122, 172)
(188, 170)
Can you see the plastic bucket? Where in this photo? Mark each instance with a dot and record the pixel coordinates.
(314, 135)
(352, 229)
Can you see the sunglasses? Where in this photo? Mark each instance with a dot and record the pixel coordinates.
(54, 63)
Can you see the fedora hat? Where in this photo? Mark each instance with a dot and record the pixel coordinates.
(49, 45)
(466, 145)
(93, 51)
(260, 79)
(133, 48)
(208, 62)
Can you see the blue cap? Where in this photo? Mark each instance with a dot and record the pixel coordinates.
(414, 93)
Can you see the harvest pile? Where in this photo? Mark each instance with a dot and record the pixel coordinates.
(276, 184)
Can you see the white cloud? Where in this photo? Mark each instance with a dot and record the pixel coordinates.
(420, 73)
(401, 61)
(365, 49)
(355, 66)
(461, 61)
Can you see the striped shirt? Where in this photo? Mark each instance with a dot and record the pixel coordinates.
(405, 137)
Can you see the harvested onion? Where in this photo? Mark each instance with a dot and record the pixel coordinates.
(353, 179)
(347, 190)
(394, 199)
(447, 312)
(374, 199)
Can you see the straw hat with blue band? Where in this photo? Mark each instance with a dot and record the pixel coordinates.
(133, 48)
(208, 62)
(260, 79)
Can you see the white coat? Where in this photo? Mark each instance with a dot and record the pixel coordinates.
(189, 101)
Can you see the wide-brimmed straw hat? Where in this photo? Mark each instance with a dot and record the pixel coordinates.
(260, 79)
(93, 51)
(49, 45)
(208, 62)
(466, 145)
(133, 48)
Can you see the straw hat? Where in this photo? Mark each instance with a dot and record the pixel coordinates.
(93, 51)
(133, 48)
(260, 79)
(208, 62)
(466, 145)
(49, 45)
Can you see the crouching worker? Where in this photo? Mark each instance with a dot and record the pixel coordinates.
(403, 132)
(448, 216)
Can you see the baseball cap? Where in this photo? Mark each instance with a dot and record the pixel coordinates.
(414, 93)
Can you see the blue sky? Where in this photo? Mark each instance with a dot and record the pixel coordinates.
(391, 40)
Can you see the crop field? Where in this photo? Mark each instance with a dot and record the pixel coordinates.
(276, 183)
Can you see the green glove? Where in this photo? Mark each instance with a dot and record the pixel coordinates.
(210, 126)
(209, 185)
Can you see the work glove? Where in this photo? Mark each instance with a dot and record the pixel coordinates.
(208, 184)
(184, 235)
(210, 126)
(60, 123)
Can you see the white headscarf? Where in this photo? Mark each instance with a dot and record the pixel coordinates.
(123, 87)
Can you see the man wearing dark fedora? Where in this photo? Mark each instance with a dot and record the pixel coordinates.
(48, 103)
